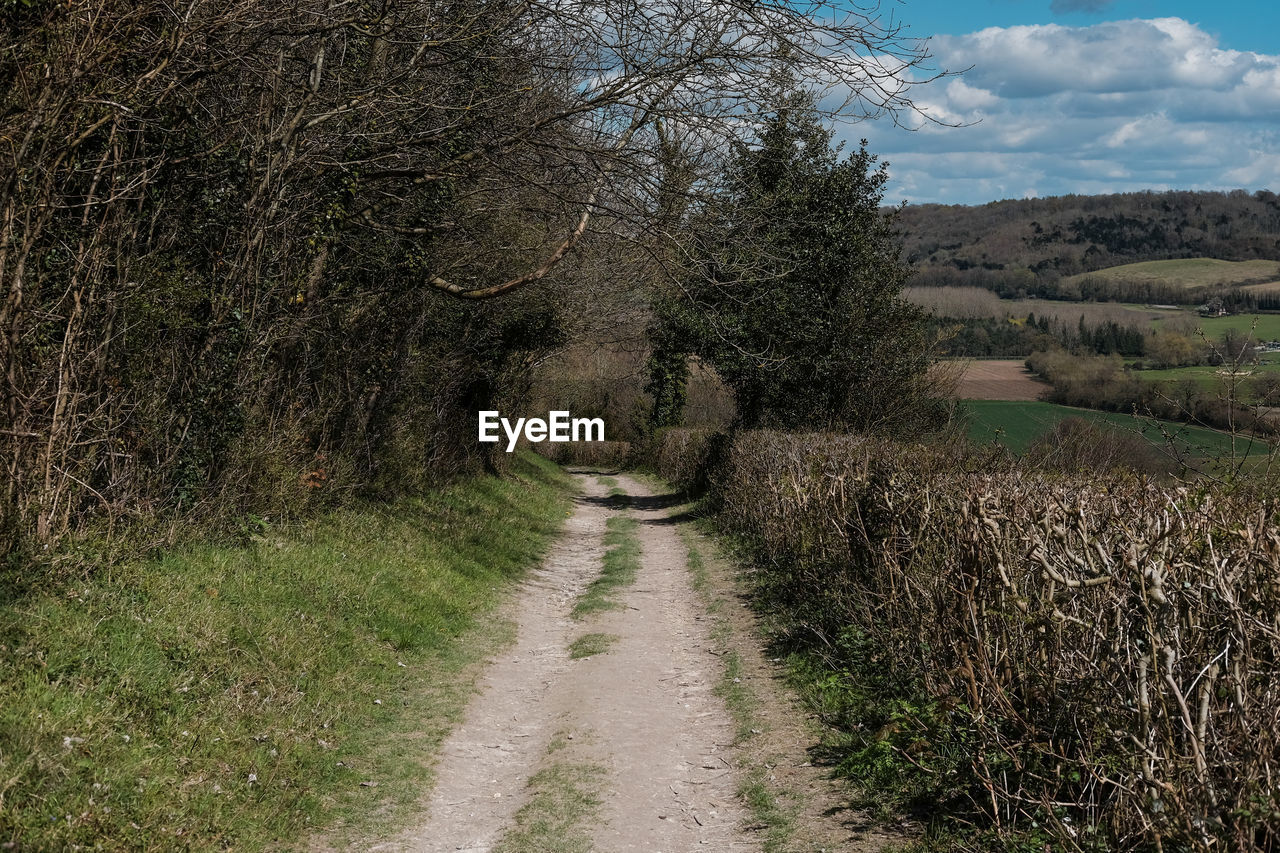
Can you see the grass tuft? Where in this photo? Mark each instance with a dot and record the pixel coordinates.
(621, 562)
(561, 807)
(589, 645)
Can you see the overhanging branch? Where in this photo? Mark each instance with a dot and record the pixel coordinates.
(575, 235)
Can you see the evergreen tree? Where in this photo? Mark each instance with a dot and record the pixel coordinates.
(794, 295)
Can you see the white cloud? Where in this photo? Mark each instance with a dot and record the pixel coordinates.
(1117, 56)
(1145, 132)
(1114, 107)
(967, 97)
(1263, 169)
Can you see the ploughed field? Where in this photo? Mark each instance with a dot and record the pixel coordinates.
(999, 379)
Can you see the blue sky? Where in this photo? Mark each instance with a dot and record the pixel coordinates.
(1087, 96)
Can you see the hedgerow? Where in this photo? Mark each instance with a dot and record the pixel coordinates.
(1051, 659)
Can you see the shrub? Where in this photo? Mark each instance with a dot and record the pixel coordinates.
(1074, 445)
(594, 454)
(683, 456)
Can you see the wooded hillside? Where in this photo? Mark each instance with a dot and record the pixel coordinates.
(1025, 240)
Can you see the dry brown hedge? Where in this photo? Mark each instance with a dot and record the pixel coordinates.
(1099, 657)
(597, 454)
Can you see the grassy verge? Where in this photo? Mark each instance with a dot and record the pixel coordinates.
(224, 697)
(767, 801)
(621, 561)
(858, 711)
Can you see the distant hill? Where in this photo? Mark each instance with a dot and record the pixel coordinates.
(1025, 244)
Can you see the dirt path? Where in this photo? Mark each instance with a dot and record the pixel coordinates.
(641, 716)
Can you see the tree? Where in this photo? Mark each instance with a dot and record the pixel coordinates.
(1266, 388)
(793, 294)
(668, 386)
(251, 224)
(1170, 349)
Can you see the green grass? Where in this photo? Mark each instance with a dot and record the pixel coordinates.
(1191, 272)
(224, 697)
(562, 805)
(1016, 424)
(589, 645)
(621, 562)
(1264, 327)
(1212, 379)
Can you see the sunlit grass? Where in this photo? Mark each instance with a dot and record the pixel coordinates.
(225, 697)
(562, 807)
(621, 562)
(589, 645)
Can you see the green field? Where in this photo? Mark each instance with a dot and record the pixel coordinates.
(1212, 378)
(1016, 424)
(1190, 272)
(1264, 327)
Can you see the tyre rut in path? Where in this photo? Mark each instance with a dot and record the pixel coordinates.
(644, 711)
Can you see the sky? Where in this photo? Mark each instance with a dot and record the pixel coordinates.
(1088, 97)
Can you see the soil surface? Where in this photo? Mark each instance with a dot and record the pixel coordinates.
(644, 712)
(999, 379)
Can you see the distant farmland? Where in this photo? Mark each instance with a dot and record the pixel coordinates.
(1190, 272)
(971, 302)
(999, 379)
(1217, 378)
(1016, 425)
(1264, 327)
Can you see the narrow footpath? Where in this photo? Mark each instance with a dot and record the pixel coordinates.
(600, 729)
(641, 715)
